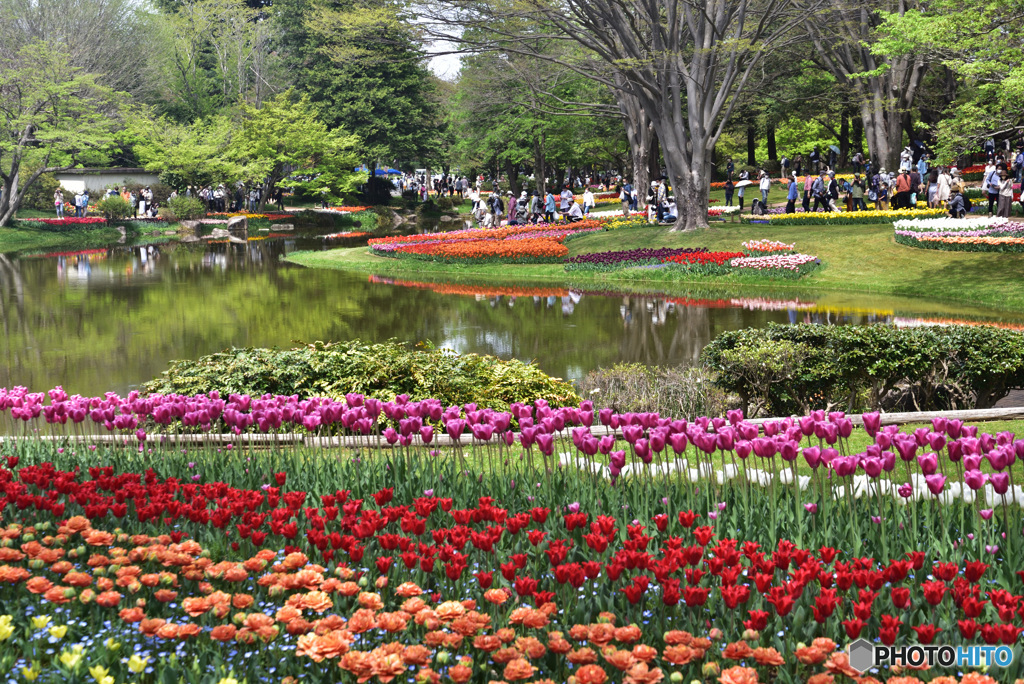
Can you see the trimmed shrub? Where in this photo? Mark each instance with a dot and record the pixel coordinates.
(187, 208)
(114, 208)
(40, 194)
(792, 369)
(383, 371)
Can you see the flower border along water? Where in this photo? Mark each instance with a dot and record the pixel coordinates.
(986, 234)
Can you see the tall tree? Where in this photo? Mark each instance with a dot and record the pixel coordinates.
(362, 66)
(684, 61)
(886, 85)
(53, 116)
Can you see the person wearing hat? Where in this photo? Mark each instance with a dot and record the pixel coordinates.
(833, 191)
(513, 208)
(820, 191)
(588, 200)
(857, 194)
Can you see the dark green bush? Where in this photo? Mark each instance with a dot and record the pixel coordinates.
(380, 370)
(40, 194)
(783, 370)
(114, 208)
(377, 191)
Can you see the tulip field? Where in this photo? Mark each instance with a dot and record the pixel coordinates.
(150, 539)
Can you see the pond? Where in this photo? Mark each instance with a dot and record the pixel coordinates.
(110, 319)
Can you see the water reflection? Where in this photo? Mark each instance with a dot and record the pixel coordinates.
(110, 319)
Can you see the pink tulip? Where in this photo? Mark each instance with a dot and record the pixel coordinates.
(935, 483)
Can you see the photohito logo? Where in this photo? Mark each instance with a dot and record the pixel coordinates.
(865, 655)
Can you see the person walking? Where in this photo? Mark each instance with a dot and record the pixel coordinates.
(833, 191)
(915, 187)
(857, 194)
(798, 163)
(566, 200)
(549, 207)
(791, 195)
(808, 191)
(624, 199)
(820, 190)
(902, 199)
(933, 187)
(729, 189)
(588, 202)
(1005, 194)
(766, 186)
(730, 167)
(858, 160)
(58, 203)
(943, 186)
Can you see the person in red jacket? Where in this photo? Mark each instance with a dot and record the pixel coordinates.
(903, 186)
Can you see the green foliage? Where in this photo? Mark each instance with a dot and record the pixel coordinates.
(381, 370)
(784, 370)
(680, 391)
(114, 208)
(39, 195)
(184, 155)
(187, 208)
(376, 191)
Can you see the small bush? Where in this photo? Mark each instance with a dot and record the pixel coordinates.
(678, 391)
(791, 369)
(40, 194)
(187, 208)
(377, 191)
(444, 203)
(380, 370)
(114, 208)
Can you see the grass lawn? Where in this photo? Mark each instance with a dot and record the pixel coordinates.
(857, 259)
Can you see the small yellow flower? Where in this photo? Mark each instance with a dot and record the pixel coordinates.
(6, 631)
(71, 659)
(112, 645)
(98, 672)
(228, 680)
(6, 619)
(58, 632)
(40, 621)
(137, 664)
(31, 673)
(107, 680)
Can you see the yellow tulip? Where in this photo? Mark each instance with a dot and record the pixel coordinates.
(40, 621)
(98, 672)
(228, 680)
(137, 664)
(112, 645)
(58, 632)
(31, 673)
(71, 659)
(6, 631)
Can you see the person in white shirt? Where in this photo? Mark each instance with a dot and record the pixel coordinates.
(671, 211)
(588, 201)
(575, 213)
(766, 185)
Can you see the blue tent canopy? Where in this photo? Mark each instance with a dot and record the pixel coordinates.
(380, 171)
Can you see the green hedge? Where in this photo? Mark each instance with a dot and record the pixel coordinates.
(790, 369)
(380, 370)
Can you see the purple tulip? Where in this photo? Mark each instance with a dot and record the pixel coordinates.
(955, 451)
(975, 479)
(807, 426)
(883, 440)
(1000, 482)
(748, 431)
(972, 462)
(872, 466)
(743, 449)
(844, 465)
(935, 483)
(929, 463)
(390, 435)
(811, 508)
(789, 451)
(905, 490)
(726, 440)
(606, 444)
(888, 461)
(939, 424)
(574, 507)
(987, 442)
(427, 434)
(953, 428)
(970, 430)
(657, 441)
(936, 441)
(872, 421)
(812, 455)
(771, 428)
(678, 442)
(546, 443)
(643, 450)
(734, 416)
(985, 513)
(997, 457)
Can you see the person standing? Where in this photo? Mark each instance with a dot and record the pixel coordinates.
(1005, 194)
(915, 187)
(588, 201)
(744, 175)
(902, 199)
(58, 203)
(730, 168)
(766, 186)
(882, 201)
(624, 199)
(792, 195)
(857, 194)
(549, 208)
(1018, 165)
(991, 185)
(858, 159)
(729, 188)
(566, 200)
(942, 187)
(833, 191)
(808, 191)
(815, 159)
(922, 166)
(798, 163)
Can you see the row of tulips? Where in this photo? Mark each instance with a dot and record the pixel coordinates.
(847, 217)
(485, 579)
(630, 258)
(1001, 241)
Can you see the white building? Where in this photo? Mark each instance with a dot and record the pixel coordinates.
(97, 180)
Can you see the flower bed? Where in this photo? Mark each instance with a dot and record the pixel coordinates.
(67, 221)
(351, 210)
(844, 217)
(785, 265)
(949, 225)
(539, 243)
(766, 246)
(715, 212)
(351, 234)
(964, 243)
(632, 258)
(123, 561)
(704, 263)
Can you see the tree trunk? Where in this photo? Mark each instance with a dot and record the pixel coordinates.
(751, 145)
(857, 143)
(538, 167)
(512, 171)
(689, 181)
(844, 140)
(653, 159)
(773, 154)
